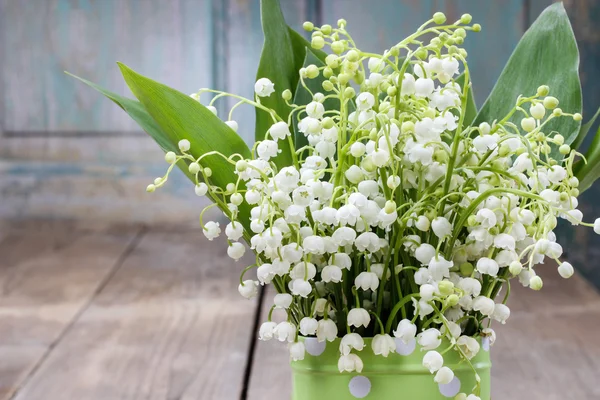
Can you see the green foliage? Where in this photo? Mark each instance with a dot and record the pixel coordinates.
(546, 55)
(589, 172)
(283, 54)
(182, 117)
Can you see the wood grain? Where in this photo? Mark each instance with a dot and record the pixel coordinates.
(166, 40)
(46, 279)
(548, 349)
(169, 325)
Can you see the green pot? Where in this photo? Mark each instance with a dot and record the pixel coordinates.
(395, 377)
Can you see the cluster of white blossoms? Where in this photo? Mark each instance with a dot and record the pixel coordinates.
(398, 219)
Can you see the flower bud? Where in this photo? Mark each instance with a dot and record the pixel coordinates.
(349, 92)
(476, 28)
(326, 29)
(466, 269)
(170, 157)
(439, 18)
(550, 102)
(184, 145)
(312, 71)
(421, 53)
(452, 300)
(337, 47)
(566, 270)
(543, 90)
(317, 42)
(407, 127)
(446, 288)
(352, 56)
(208, 172)
(150, 188)
(465, 19)
(341, 23)
(286, 95)
(557, 112)
(537, 111)
(577, 117)
(308, 26)
(564, 149)
(535, 282)
(528, 124)
(194, 168)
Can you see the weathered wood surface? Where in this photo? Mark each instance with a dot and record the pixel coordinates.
(548, 349)
(98, 311)
(47, 277)
(166, 326)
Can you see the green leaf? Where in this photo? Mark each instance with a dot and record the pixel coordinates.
(181, 117)
(283, 54)
(590, 172)
(546, 55)
(471, 109)
(279, 63)
(583, 131)
(137, 112)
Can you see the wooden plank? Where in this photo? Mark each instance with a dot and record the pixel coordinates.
(271, 375)
(92, 178)
(46, 278)
(548, 349)
(169, 325)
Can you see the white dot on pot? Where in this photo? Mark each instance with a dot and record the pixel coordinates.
(485, 344)
(450, 389)
(314, 347)
(359, 386)
(405, 349)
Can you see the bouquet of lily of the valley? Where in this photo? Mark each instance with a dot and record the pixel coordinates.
(379, 203)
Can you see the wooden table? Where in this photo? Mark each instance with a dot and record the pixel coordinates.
(128, 313)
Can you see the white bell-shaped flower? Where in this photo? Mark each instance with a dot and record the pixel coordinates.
(326, 330)
(285, 331)
(248, 288)
(383, 345)
(331, 273)
(358, 317)
(484, 305)
(367, 281)
(211, 230)
(297, 351)
(406, 331)
(264, 87)
(433, 361)
(350, 363)
(429, 339)
(308, 326)
(444, 376)
(501, 313)
(267, 330)
(351, 341)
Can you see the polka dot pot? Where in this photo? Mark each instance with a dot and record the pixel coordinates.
(400, 376)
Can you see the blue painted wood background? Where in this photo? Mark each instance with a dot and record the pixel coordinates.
(66, 152)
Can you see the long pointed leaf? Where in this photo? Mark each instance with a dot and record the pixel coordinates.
(590, 172)
(280, 64)
(182, 117)
(546, 55)
(471, 110)
(139, 114)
